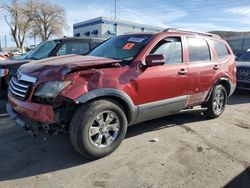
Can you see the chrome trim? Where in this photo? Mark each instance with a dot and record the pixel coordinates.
(20, 85)
(23, 77)
(12, 91)
(17, 89)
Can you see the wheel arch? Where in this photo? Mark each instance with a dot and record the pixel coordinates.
(131, 110)
(224, 81)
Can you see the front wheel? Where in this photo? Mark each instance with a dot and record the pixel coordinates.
(98, 128)
(217, 102)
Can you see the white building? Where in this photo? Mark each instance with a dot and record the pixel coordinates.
(103, 27)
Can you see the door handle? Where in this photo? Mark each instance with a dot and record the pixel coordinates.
(216, 67)
(182, 72)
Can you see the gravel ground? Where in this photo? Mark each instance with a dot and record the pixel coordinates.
(191, 151)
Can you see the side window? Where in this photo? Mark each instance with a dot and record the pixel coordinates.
(220, 49)
(198, 50)
(172, 48)
(74, 48)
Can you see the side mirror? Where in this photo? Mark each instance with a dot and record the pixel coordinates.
(155, 60)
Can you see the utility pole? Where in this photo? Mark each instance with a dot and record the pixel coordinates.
(115, 18)
(5, 42)
(115, 12)
(0, 43)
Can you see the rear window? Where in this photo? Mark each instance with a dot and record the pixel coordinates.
(221, 49)
(198, 50)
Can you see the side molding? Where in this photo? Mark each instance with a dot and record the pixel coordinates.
(161, 108)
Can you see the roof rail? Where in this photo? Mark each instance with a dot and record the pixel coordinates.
(190, 31)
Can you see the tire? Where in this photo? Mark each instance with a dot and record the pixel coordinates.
(91, 118)
(216, 103)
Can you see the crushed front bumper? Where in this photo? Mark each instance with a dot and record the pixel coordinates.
(37, 112)
(25, 123)
(14, 116)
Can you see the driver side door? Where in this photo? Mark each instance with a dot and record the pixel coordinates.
(163, 89)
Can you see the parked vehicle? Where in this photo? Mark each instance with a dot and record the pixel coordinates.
(243, 72)
(126, 80)
(3, 56)
(57, 47)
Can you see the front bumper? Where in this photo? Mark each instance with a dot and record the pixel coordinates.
(243, 85)
(37, 112)
(14, 116)
(28, 124)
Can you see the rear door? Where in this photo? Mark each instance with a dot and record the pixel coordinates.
(202, 69)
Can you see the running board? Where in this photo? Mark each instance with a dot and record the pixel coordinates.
(192, 110)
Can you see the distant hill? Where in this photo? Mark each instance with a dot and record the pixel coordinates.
(228, 34)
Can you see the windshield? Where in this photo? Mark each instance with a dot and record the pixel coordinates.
(125, 47)
(43, 50)
(244, 57)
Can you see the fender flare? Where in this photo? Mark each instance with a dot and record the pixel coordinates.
(224, 79)
(110, 92)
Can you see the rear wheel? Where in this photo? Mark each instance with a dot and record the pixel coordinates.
(98, 128)
(217, 102)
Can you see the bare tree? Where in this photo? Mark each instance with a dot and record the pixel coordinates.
(47, 19)
(18, 22)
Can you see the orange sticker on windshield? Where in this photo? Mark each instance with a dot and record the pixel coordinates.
(128, 46)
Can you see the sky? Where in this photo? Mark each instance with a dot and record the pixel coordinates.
(201, 15)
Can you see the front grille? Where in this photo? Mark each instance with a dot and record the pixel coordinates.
(19, 88)
(243, 74)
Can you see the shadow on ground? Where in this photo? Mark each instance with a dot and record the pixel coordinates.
(240, 181)
(23, 156)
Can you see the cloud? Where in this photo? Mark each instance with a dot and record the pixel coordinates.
(243, 11)
(147, 16)
(81, 14)
(204, 26)
(161, 18)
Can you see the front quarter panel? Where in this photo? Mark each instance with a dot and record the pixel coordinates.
(120, 78)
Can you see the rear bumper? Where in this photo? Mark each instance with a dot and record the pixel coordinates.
(37, 112)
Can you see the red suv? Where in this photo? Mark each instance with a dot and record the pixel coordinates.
(126, 80)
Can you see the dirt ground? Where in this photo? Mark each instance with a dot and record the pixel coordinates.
(191, 151)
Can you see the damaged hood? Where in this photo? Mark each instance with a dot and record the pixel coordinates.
(12, 65)
(64, 64)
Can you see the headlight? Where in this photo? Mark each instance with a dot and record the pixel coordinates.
(51, 89)
(4, 72)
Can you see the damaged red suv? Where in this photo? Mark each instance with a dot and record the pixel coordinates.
(126, 80)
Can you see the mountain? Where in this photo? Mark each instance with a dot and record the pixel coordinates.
(228, 34)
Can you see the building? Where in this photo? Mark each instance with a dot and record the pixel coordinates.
(103, 27)
(239, 44)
